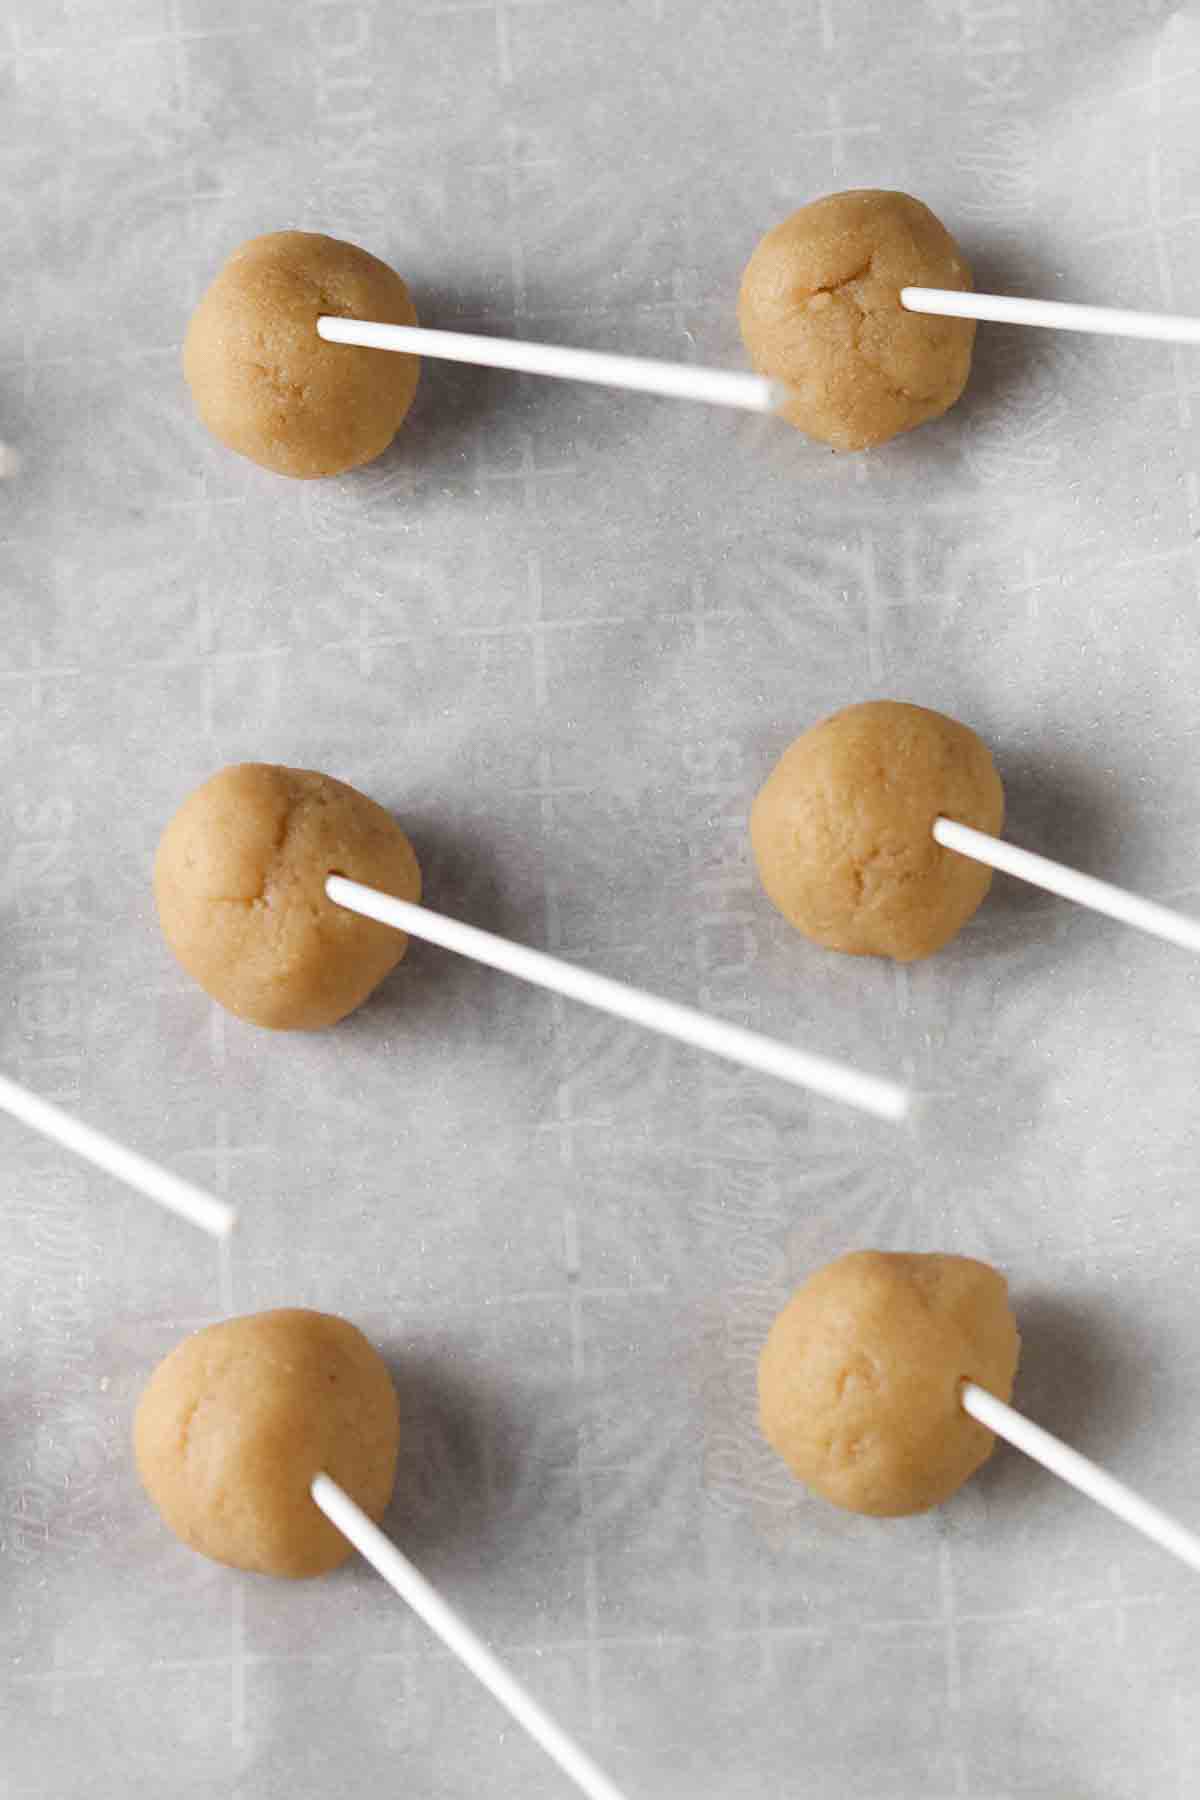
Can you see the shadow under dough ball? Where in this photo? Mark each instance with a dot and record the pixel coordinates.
(820, 310)
(268, 386)
(859, 1379)
(239, 879)
(235, 1422)
(842, 829)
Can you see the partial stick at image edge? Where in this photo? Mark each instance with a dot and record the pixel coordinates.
(181, 1197)
(801, 1068)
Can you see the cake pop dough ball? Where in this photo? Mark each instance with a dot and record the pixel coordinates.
(236, 1421)
(842, 829)
(240, 883)
(820, 310)
(268, 386)
(859, 1379)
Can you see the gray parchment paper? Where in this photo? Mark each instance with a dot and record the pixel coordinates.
(563, 633)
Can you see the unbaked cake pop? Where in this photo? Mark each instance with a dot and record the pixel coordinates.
(859, 1380)
(303, 355)
(842, 829)
(884, 1383)
(820, 309)
(269, 386)
(239, 880)
(862, 304)
(875, 834)
(234, 1424)
(288, 896)
(269, 1443)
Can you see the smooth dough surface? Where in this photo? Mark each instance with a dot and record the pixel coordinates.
(858, 1381)
(240, 883)
(235, 1422)
(263, 381)
(820, 309)
(842, 829)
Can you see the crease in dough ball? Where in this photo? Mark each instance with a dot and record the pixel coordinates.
(268, 386)
(239, 880)
(235, 1422)
(819, 309)
(842, 829)
(860, 1378)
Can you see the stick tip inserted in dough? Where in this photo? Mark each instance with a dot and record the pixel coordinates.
(802, 1068)
(182, 1197)
(562, 362)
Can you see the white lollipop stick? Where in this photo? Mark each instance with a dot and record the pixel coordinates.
(1051, 315)
(679, 381)
(803, 1069)
(1056, 878)
(458, 1637)
(1087, 1476)
(171, 1191)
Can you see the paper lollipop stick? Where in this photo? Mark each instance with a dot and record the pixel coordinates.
(1051, 315)
(171, 1191)
(678, 381)
(1056, 878)
(458, 1637)
(1087, 1476)
(801, 1067)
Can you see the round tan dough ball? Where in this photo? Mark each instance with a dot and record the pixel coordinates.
(820, 310)
(263, 381)
(235, 1422)
(240, 883)
(859, 1379)
(842, 829)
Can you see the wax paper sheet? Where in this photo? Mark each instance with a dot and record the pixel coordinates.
(564, 633)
